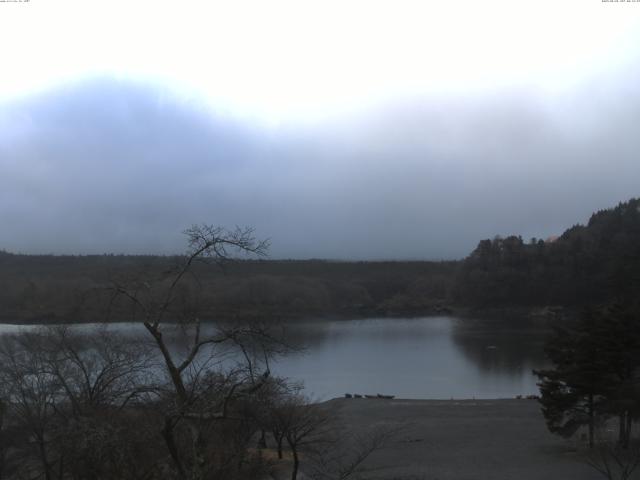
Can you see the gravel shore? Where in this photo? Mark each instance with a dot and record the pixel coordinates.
(465, 440)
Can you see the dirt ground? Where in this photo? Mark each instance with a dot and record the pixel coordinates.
(465, 440)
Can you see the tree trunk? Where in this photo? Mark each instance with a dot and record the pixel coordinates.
(199, 448)
(167, 434)
(591, 421)
(296, 463)
(624, 434)
(44, 460)
(279, 440)
(262, 441)
(621, 429)
(174, 373)
(61, 467)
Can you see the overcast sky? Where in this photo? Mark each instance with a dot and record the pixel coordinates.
(347, 129)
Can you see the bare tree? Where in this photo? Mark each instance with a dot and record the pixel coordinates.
(96, 369)
(313, 432)
(614, 461)
(3, 443)
(156, 301)
(65, 393)
(301, 423)
(270, 403)
(95, 405)
(345, 457)
(31, 394)
(200, 388)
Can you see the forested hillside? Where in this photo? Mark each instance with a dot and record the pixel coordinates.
(588, 264)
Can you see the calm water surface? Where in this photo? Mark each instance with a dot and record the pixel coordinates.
(430, 357)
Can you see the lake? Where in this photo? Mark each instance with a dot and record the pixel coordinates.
(439, 357)
(430, 357)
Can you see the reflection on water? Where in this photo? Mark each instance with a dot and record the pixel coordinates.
(500, 347)
(431, 357)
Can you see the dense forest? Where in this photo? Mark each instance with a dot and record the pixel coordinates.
(48, 288)
(588, 264)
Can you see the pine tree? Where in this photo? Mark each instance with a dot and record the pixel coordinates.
(572, 393)
(595, 374)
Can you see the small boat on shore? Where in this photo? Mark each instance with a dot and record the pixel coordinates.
(378, 396)
(355, 395)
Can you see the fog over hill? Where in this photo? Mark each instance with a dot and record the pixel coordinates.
(107, 165)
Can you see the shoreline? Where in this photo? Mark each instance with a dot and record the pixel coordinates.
(540, 315)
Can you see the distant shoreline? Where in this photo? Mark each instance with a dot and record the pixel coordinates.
(542, 315)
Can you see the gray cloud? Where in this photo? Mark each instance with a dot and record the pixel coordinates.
(109, 166)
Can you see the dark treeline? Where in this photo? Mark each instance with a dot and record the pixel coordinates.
(48, 288)
(592, 264)
(588, 264)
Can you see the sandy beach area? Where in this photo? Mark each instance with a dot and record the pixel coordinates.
(464, 440)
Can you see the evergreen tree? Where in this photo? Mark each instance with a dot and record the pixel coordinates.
(619, 334)
(587, 265)
(595, 374)
(572, 393)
